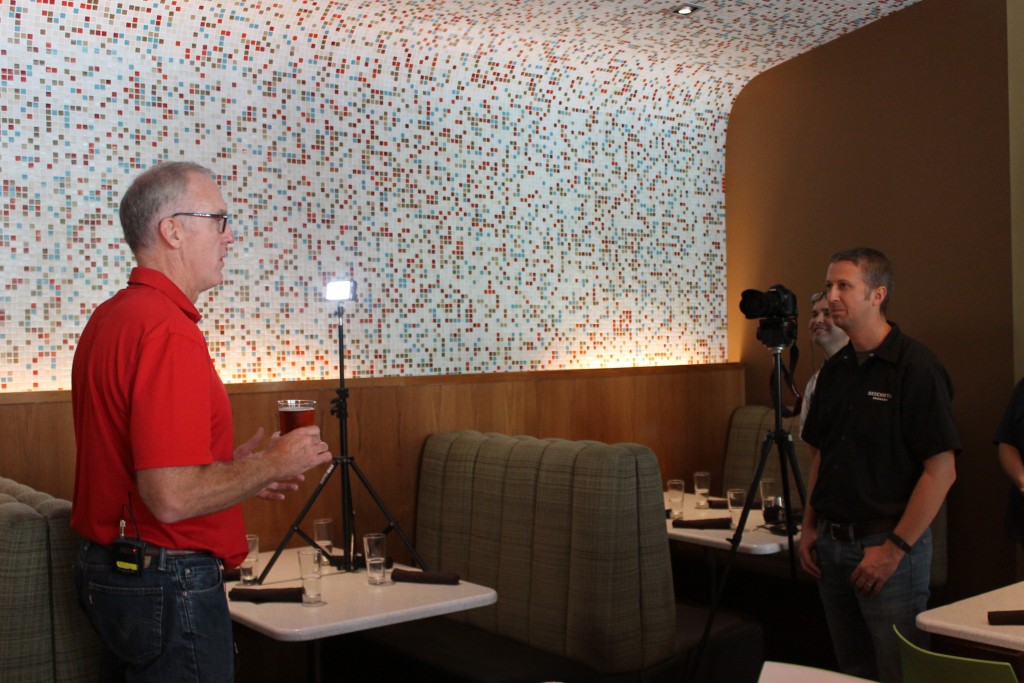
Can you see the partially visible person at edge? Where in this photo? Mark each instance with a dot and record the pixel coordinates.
(883, 455)
(1009, 441)
(829, 339)
(155, 442)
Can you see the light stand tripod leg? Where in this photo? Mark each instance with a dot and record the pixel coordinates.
(295, 528)
(339, 408)
(392, 523)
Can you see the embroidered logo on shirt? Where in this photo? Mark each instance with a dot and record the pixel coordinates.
(880, 395)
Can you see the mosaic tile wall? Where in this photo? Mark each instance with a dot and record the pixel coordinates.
(514, 186)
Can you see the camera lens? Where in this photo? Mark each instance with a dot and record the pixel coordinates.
(755, 304)
(777, 302)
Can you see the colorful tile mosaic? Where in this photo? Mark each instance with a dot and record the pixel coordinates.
(515, 186)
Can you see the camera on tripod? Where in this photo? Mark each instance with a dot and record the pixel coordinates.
(776, 308)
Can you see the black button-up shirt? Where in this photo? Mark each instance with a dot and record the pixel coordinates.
(875, 424)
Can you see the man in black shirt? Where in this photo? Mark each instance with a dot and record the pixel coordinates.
(883, 446)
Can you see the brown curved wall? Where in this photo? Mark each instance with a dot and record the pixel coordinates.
(895, 136)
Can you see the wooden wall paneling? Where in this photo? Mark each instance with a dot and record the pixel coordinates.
(681, 413)
(39, 444)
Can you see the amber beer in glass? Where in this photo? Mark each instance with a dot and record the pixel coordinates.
(295, 413)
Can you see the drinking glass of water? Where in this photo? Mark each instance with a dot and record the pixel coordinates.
(702, 485)
(250, 568)
(375, 549)
(323, 534)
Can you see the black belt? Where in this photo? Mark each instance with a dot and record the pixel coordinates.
(155, 551)
(855, 532)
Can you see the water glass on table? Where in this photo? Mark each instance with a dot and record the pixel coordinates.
(249, 570)
(702, 486)
(375, 551)
(771, 502)
(736, 499)
(323, 534)
(675, 493)
(309, 572)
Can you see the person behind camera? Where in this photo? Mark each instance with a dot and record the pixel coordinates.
(883, 445)
(158, 481)
(829, 338)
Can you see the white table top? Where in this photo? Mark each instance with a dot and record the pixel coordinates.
(968, 619)
(780, 672)
(351, 604)
(755, 541)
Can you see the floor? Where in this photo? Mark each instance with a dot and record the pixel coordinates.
(789, 610)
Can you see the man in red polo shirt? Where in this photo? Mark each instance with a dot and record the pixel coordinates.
(156, 456)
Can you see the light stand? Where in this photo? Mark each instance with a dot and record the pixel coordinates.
(783, 441)
(342, 291)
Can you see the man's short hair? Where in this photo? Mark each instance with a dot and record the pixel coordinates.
(876, 267)
(149, 195)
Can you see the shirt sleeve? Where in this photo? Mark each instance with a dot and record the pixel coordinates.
(1007, 430)
(927, 411)
(170, 421)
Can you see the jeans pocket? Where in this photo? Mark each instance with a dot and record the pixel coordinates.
(127, 620)
(202, 577)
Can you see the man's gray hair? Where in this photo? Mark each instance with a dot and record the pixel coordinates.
(148, 197)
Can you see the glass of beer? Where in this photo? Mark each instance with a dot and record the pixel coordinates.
(295, 413)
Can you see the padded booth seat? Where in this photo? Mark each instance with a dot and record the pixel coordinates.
(571, 535)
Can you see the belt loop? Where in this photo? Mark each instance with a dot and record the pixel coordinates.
(162, 559)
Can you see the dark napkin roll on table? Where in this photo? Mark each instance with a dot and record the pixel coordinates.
(1008, 617)
(266, 594)
(448, 578)
(711, 523)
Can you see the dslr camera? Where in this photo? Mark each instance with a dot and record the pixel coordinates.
(776, 308)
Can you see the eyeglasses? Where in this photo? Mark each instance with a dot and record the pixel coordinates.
(222, 217)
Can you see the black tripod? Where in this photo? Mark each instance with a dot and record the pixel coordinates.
(339, 408)
(783, 441)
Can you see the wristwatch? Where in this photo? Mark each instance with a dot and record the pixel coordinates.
(899, 542)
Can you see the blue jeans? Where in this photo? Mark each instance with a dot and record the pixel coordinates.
(169, 622)
(861, 628)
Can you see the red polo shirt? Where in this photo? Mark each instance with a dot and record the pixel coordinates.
(145, 394)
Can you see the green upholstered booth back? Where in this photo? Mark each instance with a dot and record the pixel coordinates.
(571, 534)
(43, 634)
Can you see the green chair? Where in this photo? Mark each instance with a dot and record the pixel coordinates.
(922, 666)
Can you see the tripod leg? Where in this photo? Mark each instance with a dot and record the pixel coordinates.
(298, 521)
(737, 538)
(392, 522)
(784, 441)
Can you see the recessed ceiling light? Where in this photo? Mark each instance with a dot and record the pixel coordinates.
(687, 9)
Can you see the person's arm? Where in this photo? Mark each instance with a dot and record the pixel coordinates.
(809, 527)
(881, 561)
(1009, 458)
(274, 491)
(176, 493)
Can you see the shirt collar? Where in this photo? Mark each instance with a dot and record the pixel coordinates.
(148, 277)
(887, 350)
